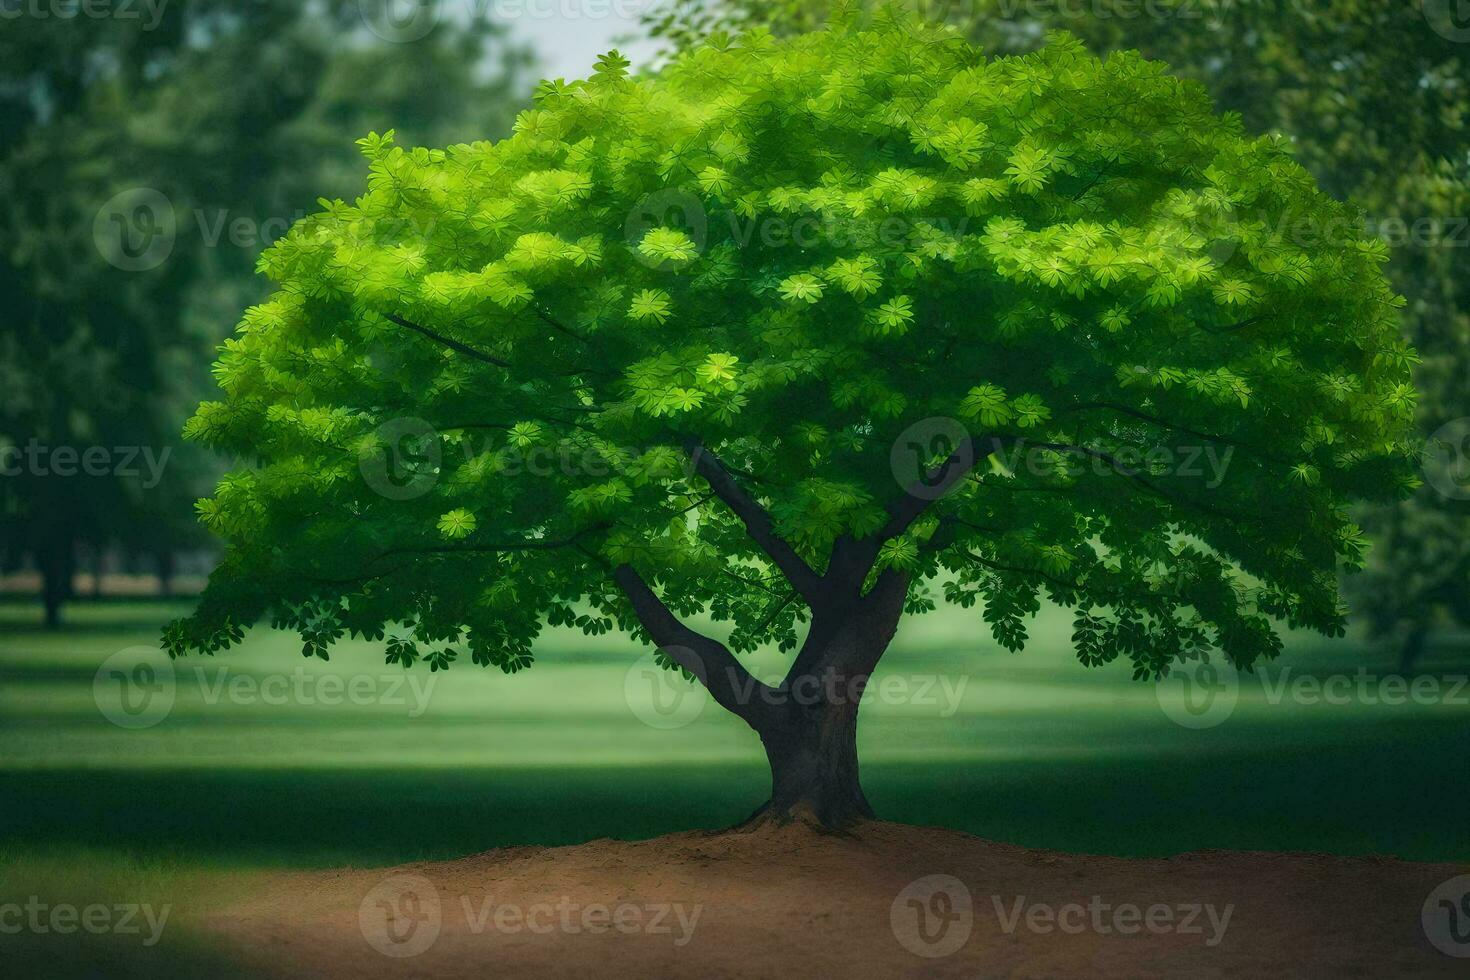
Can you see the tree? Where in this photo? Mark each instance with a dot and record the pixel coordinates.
(1375, 96)
(129, 147)
(806, 334)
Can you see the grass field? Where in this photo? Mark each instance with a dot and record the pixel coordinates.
(264, 760)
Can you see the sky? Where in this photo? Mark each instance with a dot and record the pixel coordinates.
(567, 35)
(568, 38)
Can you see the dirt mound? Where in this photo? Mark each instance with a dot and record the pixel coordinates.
(888, 900)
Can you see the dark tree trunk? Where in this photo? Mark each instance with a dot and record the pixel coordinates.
(99, 568)
(1413, 647)
(810, 729)
(52, 600)
(808, 723)
(814, 768)
(57, 563)
(166, 566)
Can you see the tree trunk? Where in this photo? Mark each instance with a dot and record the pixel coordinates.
(1413, 647)
(814, 767)
(810, 728)
(166, 566)
(99, 568)
(57, 562)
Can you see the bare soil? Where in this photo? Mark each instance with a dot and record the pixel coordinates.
(783, 901)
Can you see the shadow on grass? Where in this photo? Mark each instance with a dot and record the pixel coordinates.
(1350, 800)
(79, 955)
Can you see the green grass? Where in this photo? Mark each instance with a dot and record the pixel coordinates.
(1034, 749)
(1031, 749)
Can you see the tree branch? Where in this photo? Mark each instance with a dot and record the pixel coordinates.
(757, 522)
(729, 683)
(532, 544)
(449, 342)
(852, 559)
(936, 483)
(1143, 416)
(1139, 478)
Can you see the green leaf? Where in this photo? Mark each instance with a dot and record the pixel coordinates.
(457, 523)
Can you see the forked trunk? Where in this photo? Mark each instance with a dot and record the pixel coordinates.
(808, 723)
(809, 729)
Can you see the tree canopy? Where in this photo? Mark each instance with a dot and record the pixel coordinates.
(1375, 97)
(679, 332)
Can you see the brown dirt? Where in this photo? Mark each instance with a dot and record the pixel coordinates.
(788, 900)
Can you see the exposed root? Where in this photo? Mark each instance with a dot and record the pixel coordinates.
(802, 814)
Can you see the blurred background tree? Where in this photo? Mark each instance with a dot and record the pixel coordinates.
(1375, 95)
(144, 162)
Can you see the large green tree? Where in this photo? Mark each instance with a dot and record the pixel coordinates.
(806, 334)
